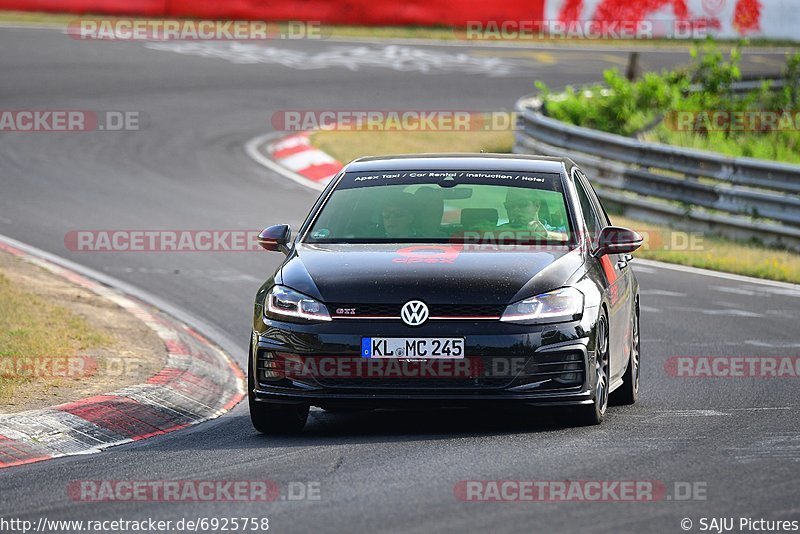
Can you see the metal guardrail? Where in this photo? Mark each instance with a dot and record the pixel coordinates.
(743, 198)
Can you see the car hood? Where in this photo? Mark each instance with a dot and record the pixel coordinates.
(436, 274)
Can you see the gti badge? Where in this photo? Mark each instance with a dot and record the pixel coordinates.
(414, 313)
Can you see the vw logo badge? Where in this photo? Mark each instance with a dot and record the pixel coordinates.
(414, 313)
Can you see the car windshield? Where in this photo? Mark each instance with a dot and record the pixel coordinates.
(444, 206)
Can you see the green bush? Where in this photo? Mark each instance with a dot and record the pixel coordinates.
(626, 107)
(619, 106)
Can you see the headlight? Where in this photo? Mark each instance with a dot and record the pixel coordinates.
(282, 302)
(565, 304)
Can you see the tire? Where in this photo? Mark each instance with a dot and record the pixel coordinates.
(628, 393)
(594, 413)
(273, 418)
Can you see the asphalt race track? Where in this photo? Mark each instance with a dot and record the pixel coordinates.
(186, 168)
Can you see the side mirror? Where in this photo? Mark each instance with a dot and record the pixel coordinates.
(617, 240)
(275, 238)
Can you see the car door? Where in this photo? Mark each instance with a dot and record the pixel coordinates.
(616, 273)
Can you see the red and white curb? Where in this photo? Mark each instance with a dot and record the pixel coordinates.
(294, 157)
(198, 383)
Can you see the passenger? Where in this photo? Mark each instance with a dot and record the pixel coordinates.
(429, 204)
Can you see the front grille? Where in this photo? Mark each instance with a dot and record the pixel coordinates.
(539, 372)
(408, 383)
(350, 371)
(556, 370)
(393, 310)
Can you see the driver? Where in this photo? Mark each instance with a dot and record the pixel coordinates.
(523, 207)
(398, 215)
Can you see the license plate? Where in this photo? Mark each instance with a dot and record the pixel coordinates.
(405, 347)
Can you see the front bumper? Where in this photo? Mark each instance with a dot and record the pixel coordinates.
(505, 363)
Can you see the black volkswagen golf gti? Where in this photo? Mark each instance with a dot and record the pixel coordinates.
(447, 280)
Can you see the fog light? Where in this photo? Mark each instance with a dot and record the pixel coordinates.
(569, 378)
(268, 366)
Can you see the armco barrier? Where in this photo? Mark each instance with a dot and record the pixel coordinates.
(742, 198)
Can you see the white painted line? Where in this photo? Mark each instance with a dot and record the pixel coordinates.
(22, 26)
(661, 293)
(717, 274)
(649, 309)
(690, 413)
(767, 344)
(722, 312)
(767, 408)
(734, 290)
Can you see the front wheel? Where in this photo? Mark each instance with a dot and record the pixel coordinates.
(594, 413)
(278, 419)
(272, 418)
(628, 393)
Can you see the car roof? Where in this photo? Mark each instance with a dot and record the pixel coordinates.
(472, 162)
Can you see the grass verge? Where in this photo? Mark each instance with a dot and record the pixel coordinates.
(781, 146)
(718, 254)
(715, 253)
(349, 145)
(32, 327)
